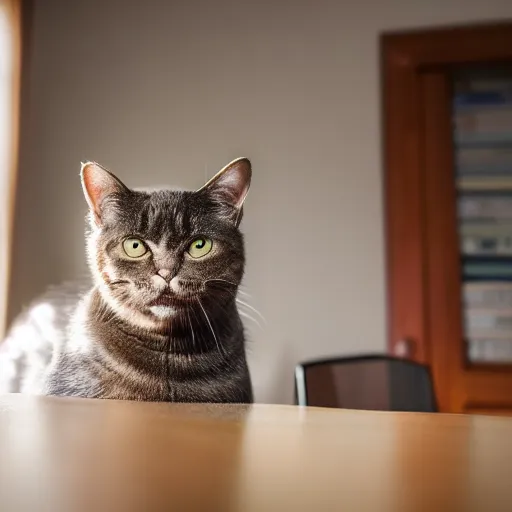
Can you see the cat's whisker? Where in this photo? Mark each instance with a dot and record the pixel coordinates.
(241, 302)
(192, 331)
(239, 286)
(249, 317)
(199, 336)
(211, 327)
(222, 281)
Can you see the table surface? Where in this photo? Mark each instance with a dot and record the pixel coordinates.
(73, 455)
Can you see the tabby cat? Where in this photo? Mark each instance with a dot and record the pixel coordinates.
(161, 321)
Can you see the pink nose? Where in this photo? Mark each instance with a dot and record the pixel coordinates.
(165, 273)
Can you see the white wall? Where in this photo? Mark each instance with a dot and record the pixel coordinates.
(159, 91)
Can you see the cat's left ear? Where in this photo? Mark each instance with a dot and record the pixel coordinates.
(230, 185)
(99, 184)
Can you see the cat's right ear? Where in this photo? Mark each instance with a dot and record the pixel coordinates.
(98, 184)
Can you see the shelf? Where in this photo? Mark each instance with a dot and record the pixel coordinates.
(485, 192)
(474, 258)
(476, 143)
(486, 279)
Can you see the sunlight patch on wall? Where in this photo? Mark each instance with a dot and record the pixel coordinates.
(9, 110)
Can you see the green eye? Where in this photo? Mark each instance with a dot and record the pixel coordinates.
(134, 248)
(200, 247)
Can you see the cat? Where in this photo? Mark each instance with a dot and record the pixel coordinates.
(160, 322)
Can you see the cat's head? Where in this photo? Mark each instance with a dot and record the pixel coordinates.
(158, 256)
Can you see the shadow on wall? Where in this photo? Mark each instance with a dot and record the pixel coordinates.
(272, 365)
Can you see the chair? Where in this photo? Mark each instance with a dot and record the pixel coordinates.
(372, 382)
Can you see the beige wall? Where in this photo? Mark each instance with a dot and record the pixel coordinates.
(159, 91)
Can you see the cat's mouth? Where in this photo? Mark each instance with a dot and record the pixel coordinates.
(169, 300)
(166, 299)
(165, 306)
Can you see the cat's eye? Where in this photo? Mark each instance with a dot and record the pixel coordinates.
(134, 248)
(200, 247)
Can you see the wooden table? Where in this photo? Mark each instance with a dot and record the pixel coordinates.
(59, 454)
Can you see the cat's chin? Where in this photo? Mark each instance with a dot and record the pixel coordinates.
(163, 312)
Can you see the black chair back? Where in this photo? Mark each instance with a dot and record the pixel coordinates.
(372, 382)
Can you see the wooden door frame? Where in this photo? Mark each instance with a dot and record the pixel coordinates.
(405, 58)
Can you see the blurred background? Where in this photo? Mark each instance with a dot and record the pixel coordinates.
(168, 92)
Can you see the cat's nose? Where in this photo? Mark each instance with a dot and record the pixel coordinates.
(165, 273)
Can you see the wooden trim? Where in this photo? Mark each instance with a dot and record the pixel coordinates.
(486, 411)
(13, 8)
(403, 193)
(24, 16)
(442, 242)
(489, 367)
(455, 45)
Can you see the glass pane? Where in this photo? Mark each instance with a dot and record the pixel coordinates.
(482, 118)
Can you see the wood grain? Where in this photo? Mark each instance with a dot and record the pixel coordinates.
(69, 455)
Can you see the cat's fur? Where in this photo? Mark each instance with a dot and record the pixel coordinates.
(163, 326)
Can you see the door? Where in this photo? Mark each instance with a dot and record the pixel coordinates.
(449, 218)
(468, 225)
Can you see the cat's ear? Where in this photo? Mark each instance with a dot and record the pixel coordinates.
(98, 184)
(231, 185)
